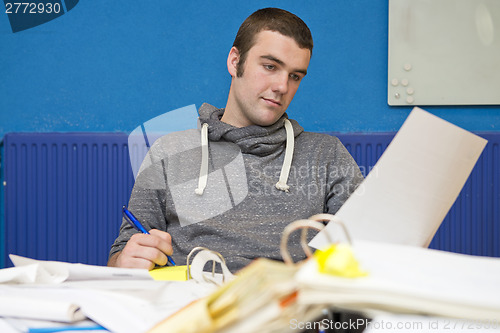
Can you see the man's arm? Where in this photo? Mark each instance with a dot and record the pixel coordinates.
(144, 251)
(112, 260)
(136, 250)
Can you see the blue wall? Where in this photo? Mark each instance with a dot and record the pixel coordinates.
(111, 65)
(2, 214)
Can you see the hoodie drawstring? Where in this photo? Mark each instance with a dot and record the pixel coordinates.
(285, 168)
(202, 180)
(287, 163)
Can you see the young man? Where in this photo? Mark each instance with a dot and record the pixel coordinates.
(255, 170)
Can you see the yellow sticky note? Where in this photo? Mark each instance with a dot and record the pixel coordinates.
(169, 273)
(339, 260)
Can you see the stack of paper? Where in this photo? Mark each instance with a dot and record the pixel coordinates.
(392, 215)
(39, 294)
(15, 305)
(262, 298)
(409, 279)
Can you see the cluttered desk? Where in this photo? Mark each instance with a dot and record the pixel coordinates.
(371, 259)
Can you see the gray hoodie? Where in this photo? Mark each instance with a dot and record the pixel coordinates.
(233, 190)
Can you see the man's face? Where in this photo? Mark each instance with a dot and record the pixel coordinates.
(272, 72)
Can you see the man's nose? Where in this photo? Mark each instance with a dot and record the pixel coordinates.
(280, 84)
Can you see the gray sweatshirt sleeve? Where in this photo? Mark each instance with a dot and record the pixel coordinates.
(147, 203)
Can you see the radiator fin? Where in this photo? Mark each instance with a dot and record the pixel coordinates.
(64, 193)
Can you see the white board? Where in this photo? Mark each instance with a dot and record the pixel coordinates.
(444, 52)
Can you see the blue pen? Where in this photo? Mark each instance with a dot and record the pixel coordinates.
(137, 225)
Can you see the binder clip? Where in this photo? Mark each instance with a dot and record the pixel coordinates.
(304, 224)
(337, 259)
(195, 269)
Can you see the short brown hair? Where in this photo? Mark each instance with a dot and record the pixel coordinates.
(273, 19)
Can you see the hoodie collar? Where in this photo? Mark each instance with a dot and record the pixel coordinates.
(257, 140)
(254, 139)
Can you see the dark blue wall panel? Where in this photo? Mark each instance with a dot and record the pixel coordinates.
(107, 66)
(64, 192)
(2, 216)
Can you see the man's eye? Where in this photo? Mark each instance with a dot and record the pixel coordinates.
(295, 77)
(269, 67)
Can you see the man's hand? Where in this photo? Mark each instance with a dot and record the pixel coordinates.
(144, 251)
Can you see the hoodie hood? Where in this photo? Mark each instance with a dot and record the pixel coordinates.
(256, 140)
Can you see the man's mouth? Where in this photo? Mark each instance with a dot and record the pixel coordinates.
(272, 101)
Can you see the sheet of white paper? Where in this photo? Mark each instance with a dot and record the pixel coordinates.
(415, 182)
(58, 271)
(118, 305)
(44, 309)
(31, 274)
(134, 306)
(409, 277)
(111, 314)
(28, 303)
(6, 327)
(121, 300)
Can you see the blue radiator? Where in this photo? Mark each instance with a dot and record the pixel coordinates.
(64, 192)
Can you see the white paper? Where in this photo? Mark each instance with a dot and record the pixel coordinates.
(28, 307)
(410, 190)
(121, 300)
(410, 279)
(139, 308)
(39, 271)
(118, 305)
(31, 274)
(27, 303)
(7, 327)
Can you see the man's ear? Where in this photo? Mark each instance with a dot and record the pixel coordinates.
(232, 61)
